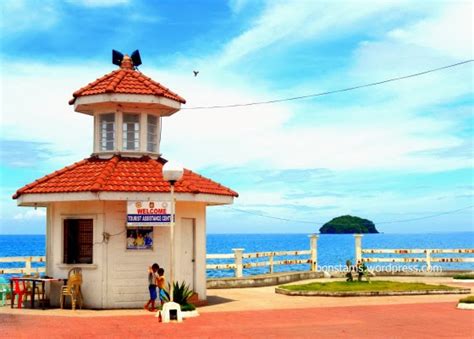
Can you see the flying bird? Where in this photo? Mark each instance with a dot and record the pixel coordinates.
(196, 73)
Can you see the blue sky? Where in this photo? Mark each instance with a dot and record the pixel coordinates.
(392, 152)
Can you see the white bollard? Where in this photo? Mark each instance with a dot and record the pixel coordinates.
(238, 252)
(313, 242)
(358, 247)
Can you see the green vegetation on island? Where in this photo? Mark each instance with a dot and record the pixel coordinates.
(348, 224)
(362, 286)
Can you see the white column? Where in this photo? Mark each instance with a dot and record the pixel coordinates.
(238, 253)
(313, 241)
(358, 247)
(143, 132)
(428, 260)
(118, 131)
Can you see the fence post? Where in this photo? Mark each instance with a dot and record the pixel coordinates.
(238, 252)
(358, 247)
(428, 260)
(313, 242)
(271, 263)
(28, 265)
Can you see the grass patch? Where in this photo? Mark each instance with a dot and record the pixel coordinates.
(467, 300)
(356, 286)
(463, 276)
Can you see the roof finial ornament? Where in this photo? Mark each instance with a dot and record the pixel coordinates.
(125, 61)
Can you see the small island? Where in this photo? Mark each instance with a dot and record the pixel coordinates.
(348, 224)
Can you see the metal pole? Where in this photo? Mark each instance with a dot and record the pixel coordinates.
(172, 242)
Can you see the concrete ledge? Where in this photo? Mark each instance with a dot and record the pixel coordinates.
(262, 280)
(465, 306)
(447, 273)
(368, 293)
(287, 277)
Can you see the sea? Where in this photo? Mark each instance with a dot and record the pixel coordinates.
(333, 249)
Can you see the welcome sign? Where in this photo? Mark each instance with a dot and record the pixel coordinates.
(148, 213)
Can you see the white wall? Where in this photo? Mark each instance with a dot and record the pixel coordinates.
(118, 277)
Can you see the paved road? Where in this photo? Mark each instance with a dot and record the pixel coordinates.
(429, 320)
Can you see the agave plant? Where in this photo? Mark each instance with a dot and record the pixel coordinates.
(181, 295)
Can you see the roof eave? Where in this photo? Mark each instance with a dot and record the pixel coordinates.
(152, 103)
(39, 199)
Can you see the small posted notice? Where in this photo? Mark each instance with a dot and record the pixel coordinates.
(148, 213)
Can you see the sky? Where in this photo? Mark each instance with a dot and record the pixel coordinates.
(402, 150)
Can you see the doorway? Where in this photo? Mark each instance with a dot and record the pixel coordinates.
(187, 260)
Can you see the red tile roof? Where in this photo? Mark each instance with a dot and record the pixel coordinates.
(126, 81)
(120, 174)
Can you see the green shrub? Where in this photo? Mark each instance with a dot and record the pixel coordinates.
(467, 300)
(181, 295)
(463, 276)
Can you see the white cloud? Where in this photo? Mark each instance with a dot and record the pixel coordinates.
(21, 15)
(28, 214)
(99, 3)
(449, 32)
(287, 22)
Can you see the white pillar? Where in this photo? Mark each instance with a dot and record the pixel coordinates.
(238, 253)
(428, 260)
(313, 242)
(358, 247)
(28, 269)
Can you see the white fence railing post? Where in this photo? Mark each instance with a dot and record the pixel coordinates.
(358, 247)
(28, 269)
(271, 263)
(238, 253)
(428, 260)
(313, 242)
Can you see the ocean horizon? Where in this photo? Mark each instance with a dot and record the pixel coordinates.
(333, 249)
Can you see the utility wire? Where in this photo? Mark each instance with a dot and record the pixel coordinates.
(376, 223)
(330, 92)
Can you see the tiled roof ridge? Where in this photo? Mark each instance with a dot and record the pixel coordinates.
(78, 93)
(118, 75)
(212, 181)
(49, 176)
(118, 174)
(162, 90)
(116, 81)
(105, 174)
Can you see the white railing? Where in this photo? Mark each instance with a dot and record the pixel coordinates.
(26, 268)
(240, 259)
(406, 255)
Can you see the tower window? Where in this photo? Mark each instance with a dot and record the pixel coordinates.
(131, 132)
(107, 132)
(152, 134)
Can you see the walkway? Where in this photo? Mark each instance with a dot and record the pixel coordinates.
(259, 312)
(388, 321)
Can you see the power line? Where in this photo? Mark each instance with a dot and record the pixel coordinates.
(330, 92)
(376, 223)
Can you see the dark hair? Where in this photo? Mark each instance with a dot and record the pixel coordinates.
(161, 271)
(155, 267)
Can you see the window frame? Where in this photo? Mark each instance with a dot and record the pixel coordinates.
(77, 262)
(154, 135)
(103, 143)
(136, 132)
